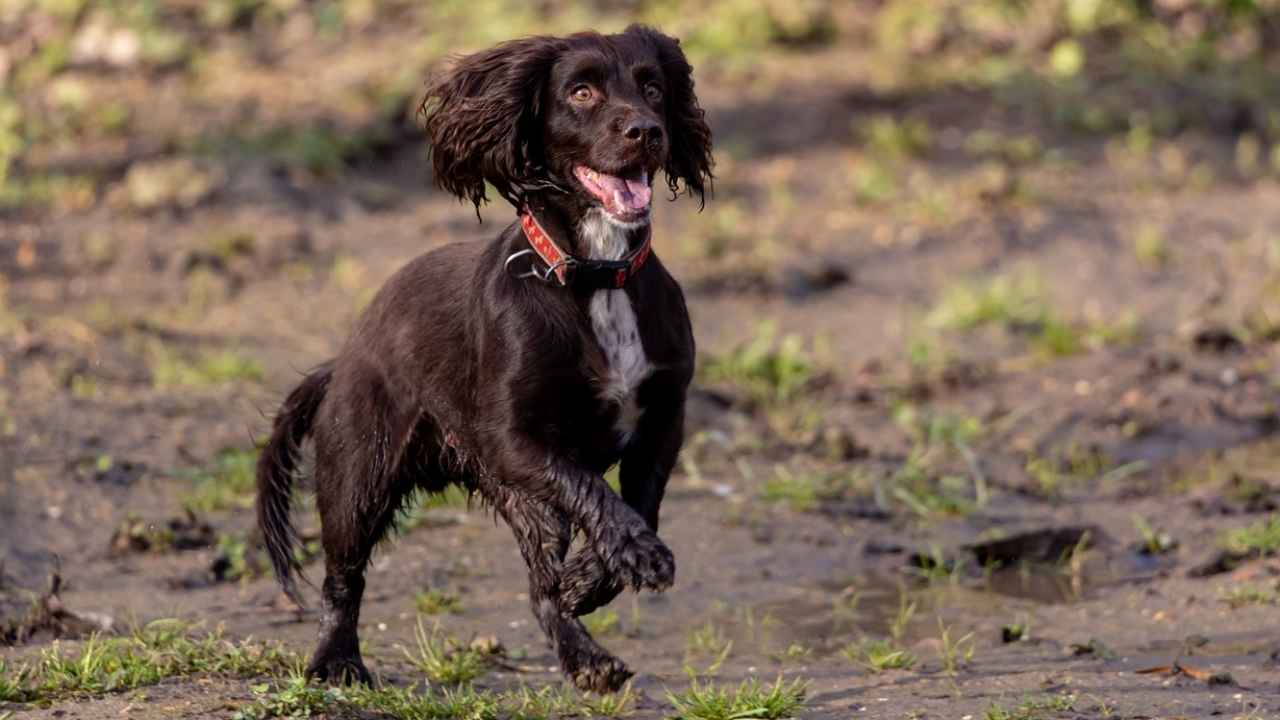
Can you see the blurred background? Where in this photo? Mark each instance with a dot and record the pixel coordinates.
(970, 267)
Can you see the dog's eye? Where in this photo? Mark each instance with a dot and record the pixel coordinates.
(652, 92)
(581, 93)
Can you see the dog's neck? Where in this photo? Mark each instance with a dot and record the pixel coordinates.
(586, 231)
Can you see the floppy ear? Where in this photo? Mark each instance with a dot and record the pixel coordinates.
(690, 158)
(482, 119)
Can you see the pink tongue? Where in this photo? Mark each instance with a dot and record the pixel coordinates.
(638, 194)
(628, 193)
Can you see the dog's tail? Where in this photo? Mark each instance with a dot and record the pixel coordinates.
(276, 466)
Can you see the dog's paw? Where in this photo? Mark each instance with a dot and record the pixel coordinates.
(605, 674)
(643, 562)
(338, 669)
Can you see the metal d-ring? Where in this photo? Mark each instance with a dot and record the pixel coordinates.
(533, 272)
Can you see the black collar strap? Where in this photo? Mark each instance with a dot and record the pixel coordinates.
(580, 273)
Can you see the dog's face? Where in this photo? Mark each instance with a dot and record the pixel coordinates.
(605, 124)
(594, 115)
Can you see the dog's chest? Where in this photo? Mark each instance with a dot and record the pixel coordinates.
(613, 321)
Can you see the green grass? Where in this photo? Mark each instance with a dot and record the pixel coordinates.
(765, 369)
(602, 622)
(799, 492)
(1070, 468)
(443, 659)
(242, 562)
(208, 369)
(1150, 246)
(618, 704)
(1152, 542)
(1018, 304)
(1260, 538)
(161, 649)
(228, 483)
(417, 512)
(293, 697)
(552, 701)
(1004, 299)
(879, 655)
(708, 639)
(1243, 595)
(751, 699)
(707, 642)
(803, 489)
(927, 484)
(954, 652)
(892, 139)
(437, 602)
(1040, 708)
(935, 568)
(739, 33)
(12, 684)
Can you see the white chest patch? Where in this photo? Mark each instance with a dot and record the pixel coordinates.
(614, 322)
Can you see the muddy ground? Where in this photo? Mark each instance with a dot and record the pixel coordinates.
(928, 318)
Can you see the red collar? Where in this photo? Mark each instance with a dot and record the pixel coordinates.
(598, 274)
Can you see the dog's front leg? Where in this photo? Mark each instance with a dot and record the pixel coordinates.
(627, 546)
(543, 533)
(646, 465)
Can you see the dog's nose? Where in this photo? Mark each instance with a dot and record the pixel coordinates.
(642, 130)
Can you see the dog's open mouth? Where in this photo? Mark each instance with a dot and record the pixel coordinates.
(625, 197)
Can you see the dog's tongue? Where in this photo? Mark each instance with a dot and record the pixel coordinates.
(630, 194)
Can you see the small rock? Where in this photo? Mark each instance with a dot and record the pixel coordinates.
(488, 645)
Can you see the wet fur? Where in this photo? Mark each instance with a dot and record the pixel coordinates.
(459, 374)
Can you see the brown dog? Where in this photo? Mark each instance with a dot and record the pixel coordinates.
(520, 369)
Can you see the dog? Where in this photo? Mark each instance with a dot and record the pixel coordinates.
(524, 368)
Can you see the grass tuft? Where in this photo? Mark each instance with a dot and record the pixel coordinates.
(601, 622)
(751, 699)
(229, 483)
(1032, 708)
(766, 370)
(296, 698)
(437, 602)
(1003, 300)
(1018, 304)
(879, 655)
(170, 370)
(162, 649)
(443, 659)
(1243, 595)
(1260, 538)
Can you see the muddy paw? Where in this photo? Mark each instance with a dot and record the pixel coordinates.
(338, 670)
(604, 675)
(645, 562)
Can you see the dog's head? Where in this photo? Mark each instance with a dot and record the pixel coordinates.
(593, 115)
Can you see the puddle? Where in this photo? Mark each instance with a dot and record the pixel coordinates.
(1056, 584)
(825, 618)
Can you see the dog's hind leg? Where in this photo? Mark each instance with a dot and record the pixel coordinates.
(543, 534)
(646, 465)
(360, 486)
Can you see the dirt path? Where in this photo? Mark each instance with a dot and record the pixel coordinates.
(926, 322)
